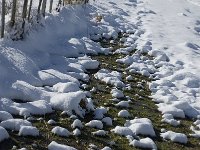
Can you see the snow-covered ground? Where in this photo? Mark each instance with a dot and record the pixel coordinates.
(44, 72)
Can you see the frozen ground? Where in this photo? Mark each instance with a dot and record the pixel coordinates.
(156, 47)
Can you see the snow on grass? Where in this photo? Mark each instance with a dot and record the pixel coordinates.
(28, 131)
(88, 63)
(107, 121)
(4, 115)
(55, 146)
(95, 124)
(38, 107)
(60, 131)
(68, 102)
(168, 118)
(66, 87)
(106, 148)
(144, 143)
(77, 124)
(76, 132)
(14, 124)
(175, 137)
(117, 93)
(3, 134)
(141, 126)
(99, 112)
(123, 113)
(100, 133)
(123, 104)
(113, 78)
(123, 131)
(51, 122)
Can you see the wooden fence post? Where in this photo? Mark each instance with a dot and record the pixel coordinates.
(29, 9)
(24, 13)
(3, 17)
(44, 7)
(50, 6)
(14, 9)
(39, 6)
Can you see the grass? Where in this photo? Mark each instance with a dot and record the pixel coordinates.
(141, 106)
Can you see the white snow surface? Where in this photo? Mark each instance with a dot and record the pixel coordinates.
(60, 131)
(14, 124)
(95, 124)
(144, 143)
(175, 137)
(3, 134)
(55, 146)
(28, 131)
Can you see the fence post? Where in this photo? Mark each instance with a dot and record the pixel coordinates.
(3, 17)
(50, 6)
(24, 13)
(29, 9)
(39, 6)
(14, 7)
(44, 7)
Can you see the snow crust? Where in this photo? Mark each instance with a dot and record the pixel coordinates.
(60, 131)
(175, 137)
(55, 146)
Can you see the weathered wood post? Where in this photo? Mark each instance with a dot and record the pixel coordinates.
(3, 17)
(39, 7)
(50, 6)
(24, 13)
(14, 9)
(29, 9)
(44, 7)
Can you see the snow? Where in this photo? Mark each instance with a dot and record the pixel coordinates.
(5, 116)
(68, 102)
(51, 122)
(106, 148)
(28, 131)
(14, 124)
(76, 132)
(95, 124)
(124, 104)
(100, 133)
(168, 118)
(99, 112)
(88, 63)
(123, 113)
(66, 87)
(107, 121)
(123, 131)
(77, 124)
(144, 143)
(141, 126)
(175, 137)
(113, 78)
(60, 131)
(55, 146)
(117, 93)
(3, 134)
